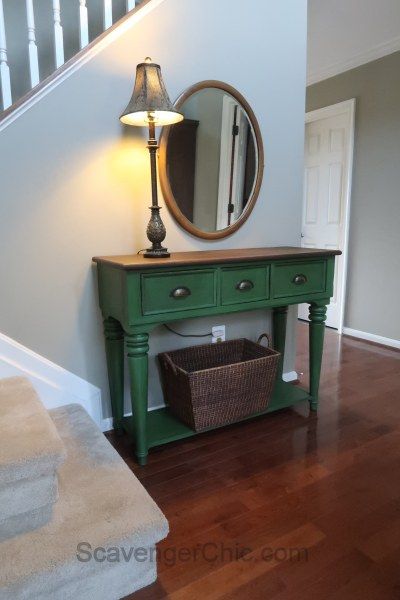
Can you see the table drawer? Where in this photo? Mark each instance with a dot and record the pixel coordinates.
(299, 278)
(173, 292)
(246, 284)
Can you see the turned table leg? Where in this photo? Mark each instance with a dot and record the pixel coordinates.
(114, 341)
(279, 319)
(317, 316)
(137, 353)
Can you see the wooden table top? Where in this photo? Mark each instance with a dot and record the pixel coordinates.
(204, 257)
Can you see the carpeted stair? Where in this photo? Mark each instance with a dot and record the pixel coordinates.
(101, 504)
(30, 452)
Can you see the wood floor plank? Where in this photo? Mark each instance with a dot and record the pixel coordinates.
(240, 572)
(327, 483)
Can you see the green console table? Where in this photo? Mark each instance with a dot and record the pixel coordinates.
(137, 294)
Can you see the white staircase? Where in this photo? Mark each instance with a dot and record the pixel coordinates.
(38, 37)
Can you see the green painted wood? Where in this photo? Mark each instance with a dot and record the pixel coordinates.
(114, 341)
(158, 291)
(245, 284)
(137, 353)
(120, 296)
(299, 278)
(317, 316)
(136, 300)
(279, 319)
(164, 427)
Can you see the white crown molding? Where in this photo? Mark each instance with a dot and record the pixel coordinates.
(77, 63)
(56, 386)
(371, 337)
(378, 51)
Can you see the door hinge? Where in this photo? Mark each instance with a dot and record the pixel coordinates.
(235, 130)
(231, 208)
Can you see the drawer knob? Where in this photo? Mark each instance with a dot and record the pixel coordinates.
(245, 285)
(299, 279)
(180, 292)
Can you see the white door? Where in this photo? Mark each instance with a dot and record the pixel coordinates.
(327, 181)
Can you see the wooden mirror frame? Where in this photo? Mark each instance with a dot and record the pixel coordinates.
(164, 181)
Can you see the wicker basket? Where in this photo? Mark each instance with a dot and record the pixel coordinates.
(215, 384)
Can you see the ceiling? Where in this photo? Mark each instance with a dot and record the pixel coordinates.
(343, 34)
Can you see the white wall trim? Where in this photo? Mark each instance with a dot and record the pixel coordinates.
(330, 111)
(378, 51)
(107, 424)
(56, 386)
(290, 376)
(87, 55)
(371, 337)
(346, 107)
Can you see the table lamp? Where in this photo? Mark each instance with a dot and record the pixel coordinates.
(150, 106)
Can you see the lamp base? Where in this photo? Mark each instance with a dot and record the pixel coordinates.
(156, 253)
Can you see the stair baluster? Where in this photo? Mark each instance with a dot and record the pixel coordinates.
(32, 47)
(59, 24)
(4, 69)
(83, 24)
(107, 14)
(58, 34)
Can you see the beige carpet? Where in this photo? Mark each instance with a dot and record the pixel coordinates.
(100, 502)
(30, 444)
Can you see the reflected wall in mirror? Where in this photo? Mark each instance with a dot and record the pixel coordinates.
(211, 163)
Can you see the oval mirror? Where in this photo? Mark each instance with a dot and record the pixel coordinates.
(211, 163)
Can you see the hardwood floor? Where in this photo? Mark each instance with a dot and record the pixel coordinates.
(290, 506)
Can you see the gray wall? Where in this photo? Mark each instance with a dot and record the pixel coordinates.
(75, 184)
(373, 288)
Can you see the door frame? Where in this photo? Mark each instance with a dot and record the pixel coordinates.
(228, 107)
(346, 107)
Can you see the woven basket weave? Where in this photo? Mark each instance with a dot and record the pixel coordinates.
(216, 384)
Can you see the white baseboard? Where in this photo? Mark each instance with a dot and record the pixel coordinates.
(56, 386)
(371, 337)
(290, 376)
(107, 424)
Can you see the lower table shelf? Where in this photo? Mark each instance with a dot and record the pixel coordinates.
(164, 427)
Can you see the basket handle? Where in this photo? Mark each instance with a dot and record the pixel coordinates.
(170, 363)
(268, 337)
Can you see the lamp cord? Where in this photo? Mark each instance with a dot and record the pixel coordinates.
(186, 335)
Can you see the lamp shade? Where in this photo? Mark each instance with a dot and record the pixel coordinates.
(150, 101)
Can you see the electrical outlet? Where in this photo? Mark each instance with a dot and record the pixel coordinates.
(218, 333)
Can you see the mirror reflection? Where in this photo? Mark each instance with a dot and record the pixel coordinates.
(212, 159)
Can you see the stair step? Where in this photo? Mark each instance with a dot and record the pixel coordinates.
(101, 503)
(22, 523)
(30, 444)
(20, 498)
